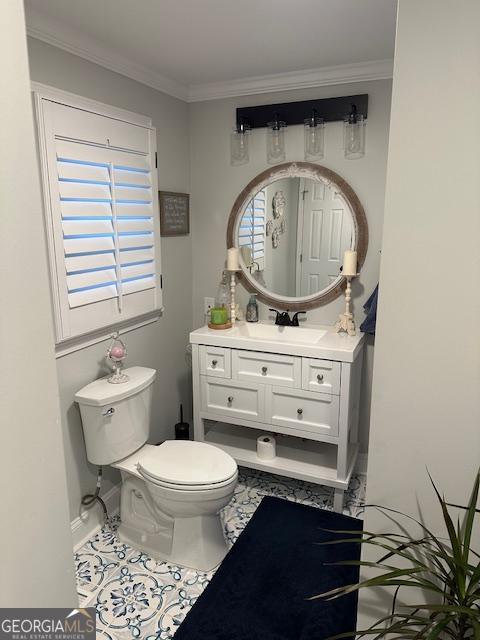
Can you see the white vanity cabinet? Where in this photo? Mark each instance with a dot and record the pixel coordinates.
(300, 384)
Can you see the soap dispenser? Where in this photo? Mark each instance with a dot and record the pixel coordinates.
(252, 309)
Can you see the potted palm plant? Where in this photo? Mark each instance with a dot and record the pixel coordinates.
(441, 574)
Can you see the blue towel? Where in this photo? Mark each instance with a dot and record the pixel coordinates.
(370, 307)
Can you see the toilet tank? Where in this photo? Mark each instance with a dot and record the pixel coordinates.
(116, 417)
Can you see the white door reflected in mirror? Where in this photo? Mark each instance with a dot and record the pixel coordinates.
(293, 234)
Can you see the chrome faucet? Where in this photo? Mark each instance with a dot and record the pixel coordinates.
(283, 319)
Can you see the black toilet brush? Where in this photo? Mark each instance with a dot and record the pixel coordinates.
(182, 429)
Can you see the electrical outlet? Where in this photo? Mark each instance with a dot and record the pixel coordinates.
(208, 303)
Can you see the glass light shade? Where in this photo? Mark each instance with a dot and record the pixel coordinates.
(314, 141)
(239, 153)
(275, 142)
(354, 136)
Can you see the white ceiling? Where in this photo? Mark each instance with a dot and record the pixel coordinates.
(196, 49)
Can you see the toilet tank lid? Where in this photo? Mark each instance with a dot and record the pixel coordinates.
(101, 392)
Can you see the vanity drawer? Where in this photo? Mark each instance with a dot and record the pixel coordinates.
(321, 375)
(267, 368)
(228, 398)
(215, 361)
(314, 412)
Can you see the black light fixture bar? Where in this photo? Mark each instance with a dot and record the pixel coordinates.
(330, 109)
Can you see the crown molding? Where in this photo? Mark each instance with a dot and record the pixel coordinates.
(48, 30)
(339, 74)
(79, 45)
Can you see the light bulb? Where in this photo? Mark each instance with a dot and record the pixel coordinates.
(314, 140)
(276, 142)
(239, 153)
(354, 135)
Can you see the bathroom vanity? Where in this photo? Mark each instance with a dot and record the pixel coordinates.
(301, 384)
(291, 226)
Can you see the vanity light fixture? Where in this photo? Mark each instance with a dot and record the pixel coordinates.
(239, 144)
(354, 134)
(276, 140)
(276, 117)
(314, 137)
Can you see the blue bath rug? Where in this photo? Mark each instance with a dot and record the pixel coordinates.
(261, 589)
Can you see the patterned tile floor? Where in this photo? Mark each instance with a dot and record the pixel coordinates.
(138, 597)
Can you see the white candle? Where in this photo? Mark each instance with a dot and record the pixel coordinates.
(349, 263)
(232, 259)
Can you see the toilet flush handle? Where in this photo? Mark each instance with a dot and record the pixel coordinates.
(109, 412)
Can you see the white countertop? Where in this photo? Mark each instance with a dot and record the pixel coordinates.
(310, 340)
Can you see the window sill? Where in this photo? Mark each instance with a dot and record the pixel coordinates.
(94, 337)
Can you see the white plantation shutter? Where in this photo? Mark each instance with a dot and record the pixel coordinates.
(252, 228)
(102, 207)
(107, 222)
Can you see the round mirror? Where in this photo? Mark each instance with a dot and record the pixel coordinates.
(292, 224)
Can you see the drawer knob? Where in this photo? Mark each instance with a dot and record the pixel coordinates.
(299, 411)
(230, 399)
(264, 370)
(320, 378)
(214, 363)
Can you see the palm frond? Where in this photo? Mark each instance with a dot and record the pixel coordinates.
(446, 568)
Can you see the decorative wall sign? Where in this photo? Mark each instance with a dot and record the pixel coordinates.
(174, 213)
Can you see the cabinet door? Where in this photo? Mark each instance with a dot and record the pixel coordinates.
(228, 398)
(314, 412)
(215, 361)
(321, 376)
(266, 368)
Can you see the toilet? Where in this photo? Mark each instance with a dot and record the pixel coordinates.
(171, 494)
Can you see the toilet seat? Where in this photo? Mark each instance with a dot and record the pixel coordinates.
(188, 487)
(187, 465)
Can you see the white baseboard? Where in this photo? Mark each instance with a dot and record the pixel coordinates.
(91, 520)
(361, 464)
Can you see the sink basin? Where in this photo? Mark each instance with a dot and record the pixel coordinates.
(274, 333)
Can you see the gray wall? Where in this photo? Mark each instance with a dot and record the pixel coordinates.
(35, 533)
(426, 400)
(160, 345)
(215, 185)
(192, 270)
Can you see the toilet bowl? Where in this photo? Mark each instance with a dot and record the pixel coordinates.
(171, 502)
(171, 494)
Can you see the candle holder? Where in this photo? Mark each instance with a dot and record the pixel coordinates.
(233, 284)
(345, 320)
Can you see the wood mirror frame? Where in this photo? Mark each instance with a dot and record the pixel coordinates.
(313, 172)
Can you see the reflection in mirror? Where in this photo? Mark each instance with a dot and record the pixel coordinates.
(293, 233)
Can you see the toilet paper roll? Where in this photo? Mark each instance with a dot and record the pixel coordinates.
(266, 446)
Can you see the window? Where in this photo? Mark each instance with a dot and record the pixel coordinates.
(101, 207)
(252, 229)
